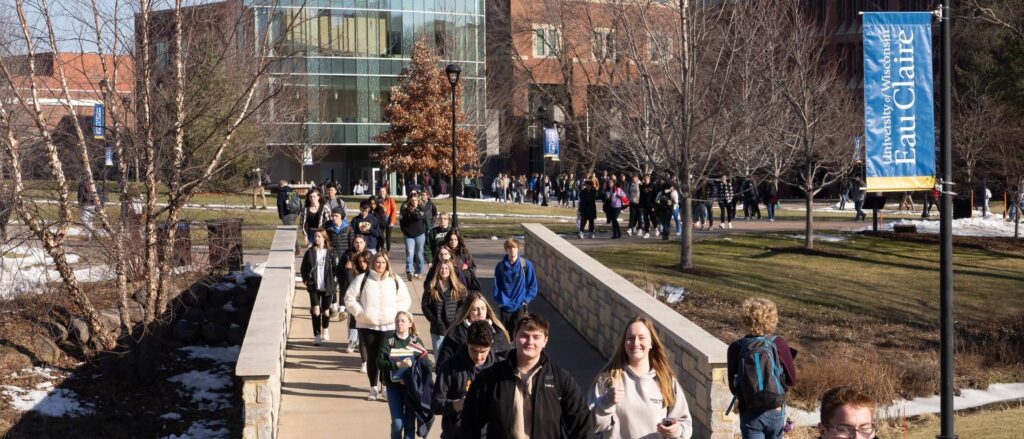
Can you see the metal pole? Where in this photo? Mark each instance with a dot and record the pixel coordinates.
(946, 232)
(455, 196)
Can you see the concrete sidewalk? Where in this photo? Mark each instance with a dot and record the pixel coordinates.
(324, 394)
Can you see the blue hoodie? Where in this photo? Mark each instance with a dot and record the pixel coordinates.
(514, 284)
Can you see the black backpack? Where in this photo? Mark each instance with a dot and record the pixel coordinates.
(294, 203)
(664, 202)
(758, 379)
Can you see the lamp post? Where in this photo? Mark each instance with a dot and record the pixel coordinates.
(453, 71)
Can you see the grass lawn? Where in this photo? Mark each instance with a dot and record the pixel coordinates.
(1003, 421)
(862, 311)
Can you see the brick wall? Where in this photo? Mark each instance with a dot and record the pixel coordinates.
(598, 303)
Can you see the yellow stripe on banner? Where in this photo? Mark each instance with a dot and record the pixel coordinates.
(900, 184)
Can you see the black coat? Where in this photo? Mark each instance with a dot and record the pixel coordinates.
(441, 314)
(282, 201)
(588, 203)
(453, 378)
(559, 408)
(455, 340)
(332, 277)
(371, 232)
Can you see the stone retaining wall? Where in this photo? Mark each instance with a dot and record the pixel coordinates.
(261, 360)
(598, 303)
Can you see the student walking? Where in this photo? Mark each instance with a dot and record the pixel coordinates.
(320, 275)
(614, 203)
(726, 203)
(463, 260)
(399, 355)
(455, 376)
(587, 209)
(333, 199)
(526, 395)
(515, 283)
(633, 194)
(771, 198)
(443, 296)
(760, 369)
(367, 225)
(414, 229)
(374, 298)
(435, 237)
(390, 210)
(637, 395)
(647, 216)
(353, 263)
(475, 309)
(313, 217)
(664, 203)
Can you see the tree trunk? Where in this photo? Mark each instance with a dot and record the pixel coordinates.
(1016, 219)
(686, 241)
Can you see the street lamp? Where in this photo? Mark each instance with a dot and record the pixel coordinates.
(453, 71)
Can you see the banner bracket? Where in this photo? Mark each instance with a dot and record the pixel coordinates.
(938, 13)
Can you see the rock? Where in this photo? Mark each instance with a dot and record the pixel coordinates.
(12, 360)
(140, 295)
(194, 315)
(241, 300)
(253, 283)
(215, 333)
(216, 314)
(241, 315)
(136, 312)
(110, 319)
(186, 331)
(236, 334)
(58, 332)
(79, 330)
(44, 349)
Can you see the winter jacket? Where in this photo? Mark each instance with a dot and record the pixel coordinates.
(441, 314)
(340, 237)
(282, 201)
(647, 193)
(413, 223)
(429, 213)
(369, 228)
(390, 210)
(452, 383)
(615, 198)
(466, 265)
(515, 283)
(418, 389)
(375, 302)
(749, 191)
(434, 238)
(588, 203)
(637, 416)
(455, 340)
(331, 272)
(633, 192)
(559, 409)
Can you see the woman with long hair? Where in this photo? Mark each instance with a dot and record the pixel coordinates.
(349, 264)
(320, 274)
(374, 298)
(475, 308)
(405, 338)
(383, 222)
(462, 259)
(613, 199)
(414, 229)
(637, 395)
(314, 216)
(443, 296)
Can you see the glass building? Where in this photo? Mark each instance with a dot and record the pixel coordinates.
(338, 62)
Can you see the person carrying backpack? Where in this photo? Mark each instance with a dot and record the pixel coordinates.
(664, 204)
(515, 284)
(760, 369)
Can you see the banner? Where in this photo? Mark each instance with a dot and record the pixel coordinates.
(98, 121)
(551, 143)
(899, 102)
(307, 155)
(108, 156)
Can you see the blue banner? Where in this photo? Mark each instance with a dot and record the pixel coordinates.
(108, 156)
(551, 143)
(98, 121)
(899, 102)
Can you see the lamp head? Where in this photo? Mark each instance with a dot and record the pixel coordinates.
(453, 71)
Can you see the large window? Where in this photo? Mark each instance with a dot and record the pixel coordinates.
(604, 45)
(546, 41)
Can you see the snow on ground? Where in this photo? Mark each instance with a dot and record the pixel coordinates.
(227, 354)
(993, 226)
(171, 416)
(205, 387)
(969, 398)
(203, 430)
(821, 237)
(25, 268)
(46, 400)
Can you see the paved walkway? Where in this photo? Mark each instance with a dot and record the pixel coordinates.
(324, 394)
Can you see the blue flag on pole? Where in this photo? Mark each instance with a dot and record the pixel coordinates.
(98, 121)
(899, 102)
(551, 143)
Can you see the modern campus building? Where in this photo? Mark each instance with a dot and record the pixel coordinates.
(341, 58)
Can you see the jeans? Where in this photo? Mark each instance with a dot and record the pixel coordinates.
(370, 341)
(770, 206)
(666, 221)
(675, 217)
(414, 249)
(436, 341)
(613, 217)
(584, 222)
(400, 419)
(634, 216)
(764, 425)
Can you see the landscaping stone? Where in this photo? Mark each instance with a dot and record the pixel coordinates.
(216, 314)
(219, 297)
(79, 330)
(11, 359)
(110, 319)
(136, 312)
(58, 332)
(44, 349)
(186, 331)
(194, 315)
(215, 333)
(236, 334)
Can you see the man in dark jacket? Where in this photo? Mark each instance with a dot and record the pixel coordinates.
(647, 194)
(286, 216)
(429, 210)
(367, 226)
(750, 197)
(526, 395)
(846, 413)
(455, 376)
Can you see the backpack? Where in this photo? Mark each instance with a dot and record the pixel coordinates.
(664, 202)
(758, 378)
(294, 203)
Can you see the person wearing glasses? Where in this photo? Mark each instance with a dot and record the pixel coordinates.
(846, 414)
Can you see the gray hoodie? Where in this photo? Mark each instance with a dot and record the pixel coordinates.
(638, 415)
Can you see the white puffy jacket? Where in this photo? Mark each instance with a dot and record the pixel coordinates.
(380, 300)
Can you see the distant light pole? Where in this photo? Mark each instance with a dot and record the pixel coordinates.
(454, 72)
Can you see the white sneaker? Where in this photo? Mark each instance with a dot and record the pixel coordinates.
(581, 235)
(591, 236)
(373, 394)
(721, 225)
(629, 232)
(316, 340)
(730, 225)
(362, 368)
(325, 335)
(647, 235)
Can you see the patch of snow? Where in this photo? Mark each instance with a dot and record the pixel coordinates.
(227, 354)
(253, 271)
(203, 430)
(31, 267)
(171, 416)
(229, 307)
(47, 401)
(204, 387)
(969, 398)
(821, 237)
(46, 372)
(672, 293)
(991, 226)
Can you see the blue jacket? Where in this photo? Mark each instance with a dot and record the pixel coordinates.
(514, 284)
(419, 392)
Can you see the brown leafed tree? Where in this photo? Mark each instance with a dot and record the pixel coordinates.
(420, 132)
